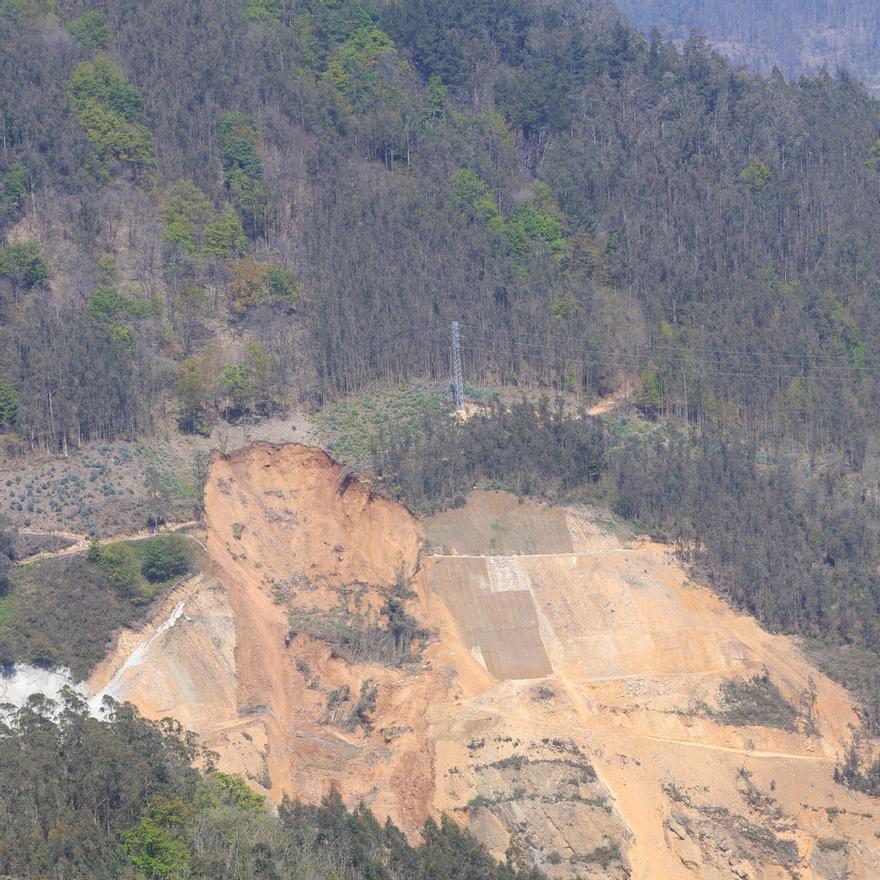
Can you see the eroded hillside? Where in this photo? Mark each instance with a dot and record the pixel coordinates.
(558, 686)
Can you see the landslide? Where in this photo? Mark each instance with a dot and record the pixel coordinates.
(561, 695)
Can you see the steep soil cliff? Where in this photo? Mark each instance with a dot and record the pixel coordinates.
(553, 683)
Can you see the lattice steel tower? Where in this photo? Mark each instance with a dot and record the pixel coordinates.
(457, 382)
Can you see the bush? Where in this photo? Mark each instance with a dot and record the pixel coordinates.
(755, 702)
(165, 558)
(119, 565)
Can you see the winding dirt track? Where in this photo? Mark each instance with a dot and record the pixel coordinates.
(81, 542)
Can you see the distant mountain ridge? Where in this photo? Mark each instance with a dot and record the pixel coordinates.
(797, 36)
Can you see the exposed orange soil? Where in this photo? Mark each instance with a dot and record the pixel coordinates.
(558, 709)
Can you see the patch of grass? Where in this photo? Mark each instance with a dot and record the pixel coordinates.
(755, 702)
(832, 844)
(353, 425)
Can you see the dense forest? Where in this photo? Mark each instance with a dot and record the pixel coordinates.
(797, 36)
(230, 209)
(117, 798)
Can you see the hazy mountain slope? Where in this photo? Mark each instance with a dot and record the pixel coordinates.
(797, 36)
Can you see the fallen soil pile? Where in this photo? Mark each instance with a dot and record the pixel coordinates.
(558, 686)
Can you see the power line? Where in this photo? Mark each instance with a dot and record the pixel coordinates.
(707, 366)
(721, 362)
(657, 353)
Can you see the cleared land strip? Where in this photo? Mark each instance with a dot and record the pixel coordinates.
(751, 753)
(530, 555)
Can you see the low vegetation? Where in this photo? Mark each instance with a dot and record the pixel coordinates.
(860, 768)
(391, 636)
(118, 799)
(755, 701)
(63, 611)
(353, 425)
(102, 489)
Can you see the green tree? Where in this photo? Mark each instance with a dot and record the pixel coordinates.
(243, 169)
(158, 498)
(873, 160)
(24, 265)
(235, 382)
(155, 852)
(99, 82)
(8, 536)
(108, 108)
(105, 306)
(261, 377)
(192, 395)
(8, 406)
(13, 191)
(119, 566)
(165, 558)
(756, 175)
(224, 235)
(354, 68)
(186, 211)
(240, 135)
(263, 10)
(91, 31)
(282, 285)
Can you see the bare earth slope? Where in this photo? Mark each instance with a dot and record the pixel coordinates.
(562, 707)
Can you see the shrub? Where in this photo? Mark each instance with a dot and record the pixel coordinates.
(24, 265)
(165, 558)
(755, 702)
(119, 566)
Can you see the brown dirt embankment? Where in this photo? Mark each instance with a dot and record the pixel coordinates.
(563, 707)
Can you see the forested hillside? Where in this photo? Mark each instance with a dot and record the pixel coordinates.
(797, 36)
(68, 811)
(221, 209)
(228, 208)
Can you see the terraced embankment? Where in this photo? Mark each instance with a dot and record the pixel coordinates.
(562, 708)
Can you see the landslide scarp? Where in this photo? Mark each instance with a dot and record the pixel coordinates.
(547, 679)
